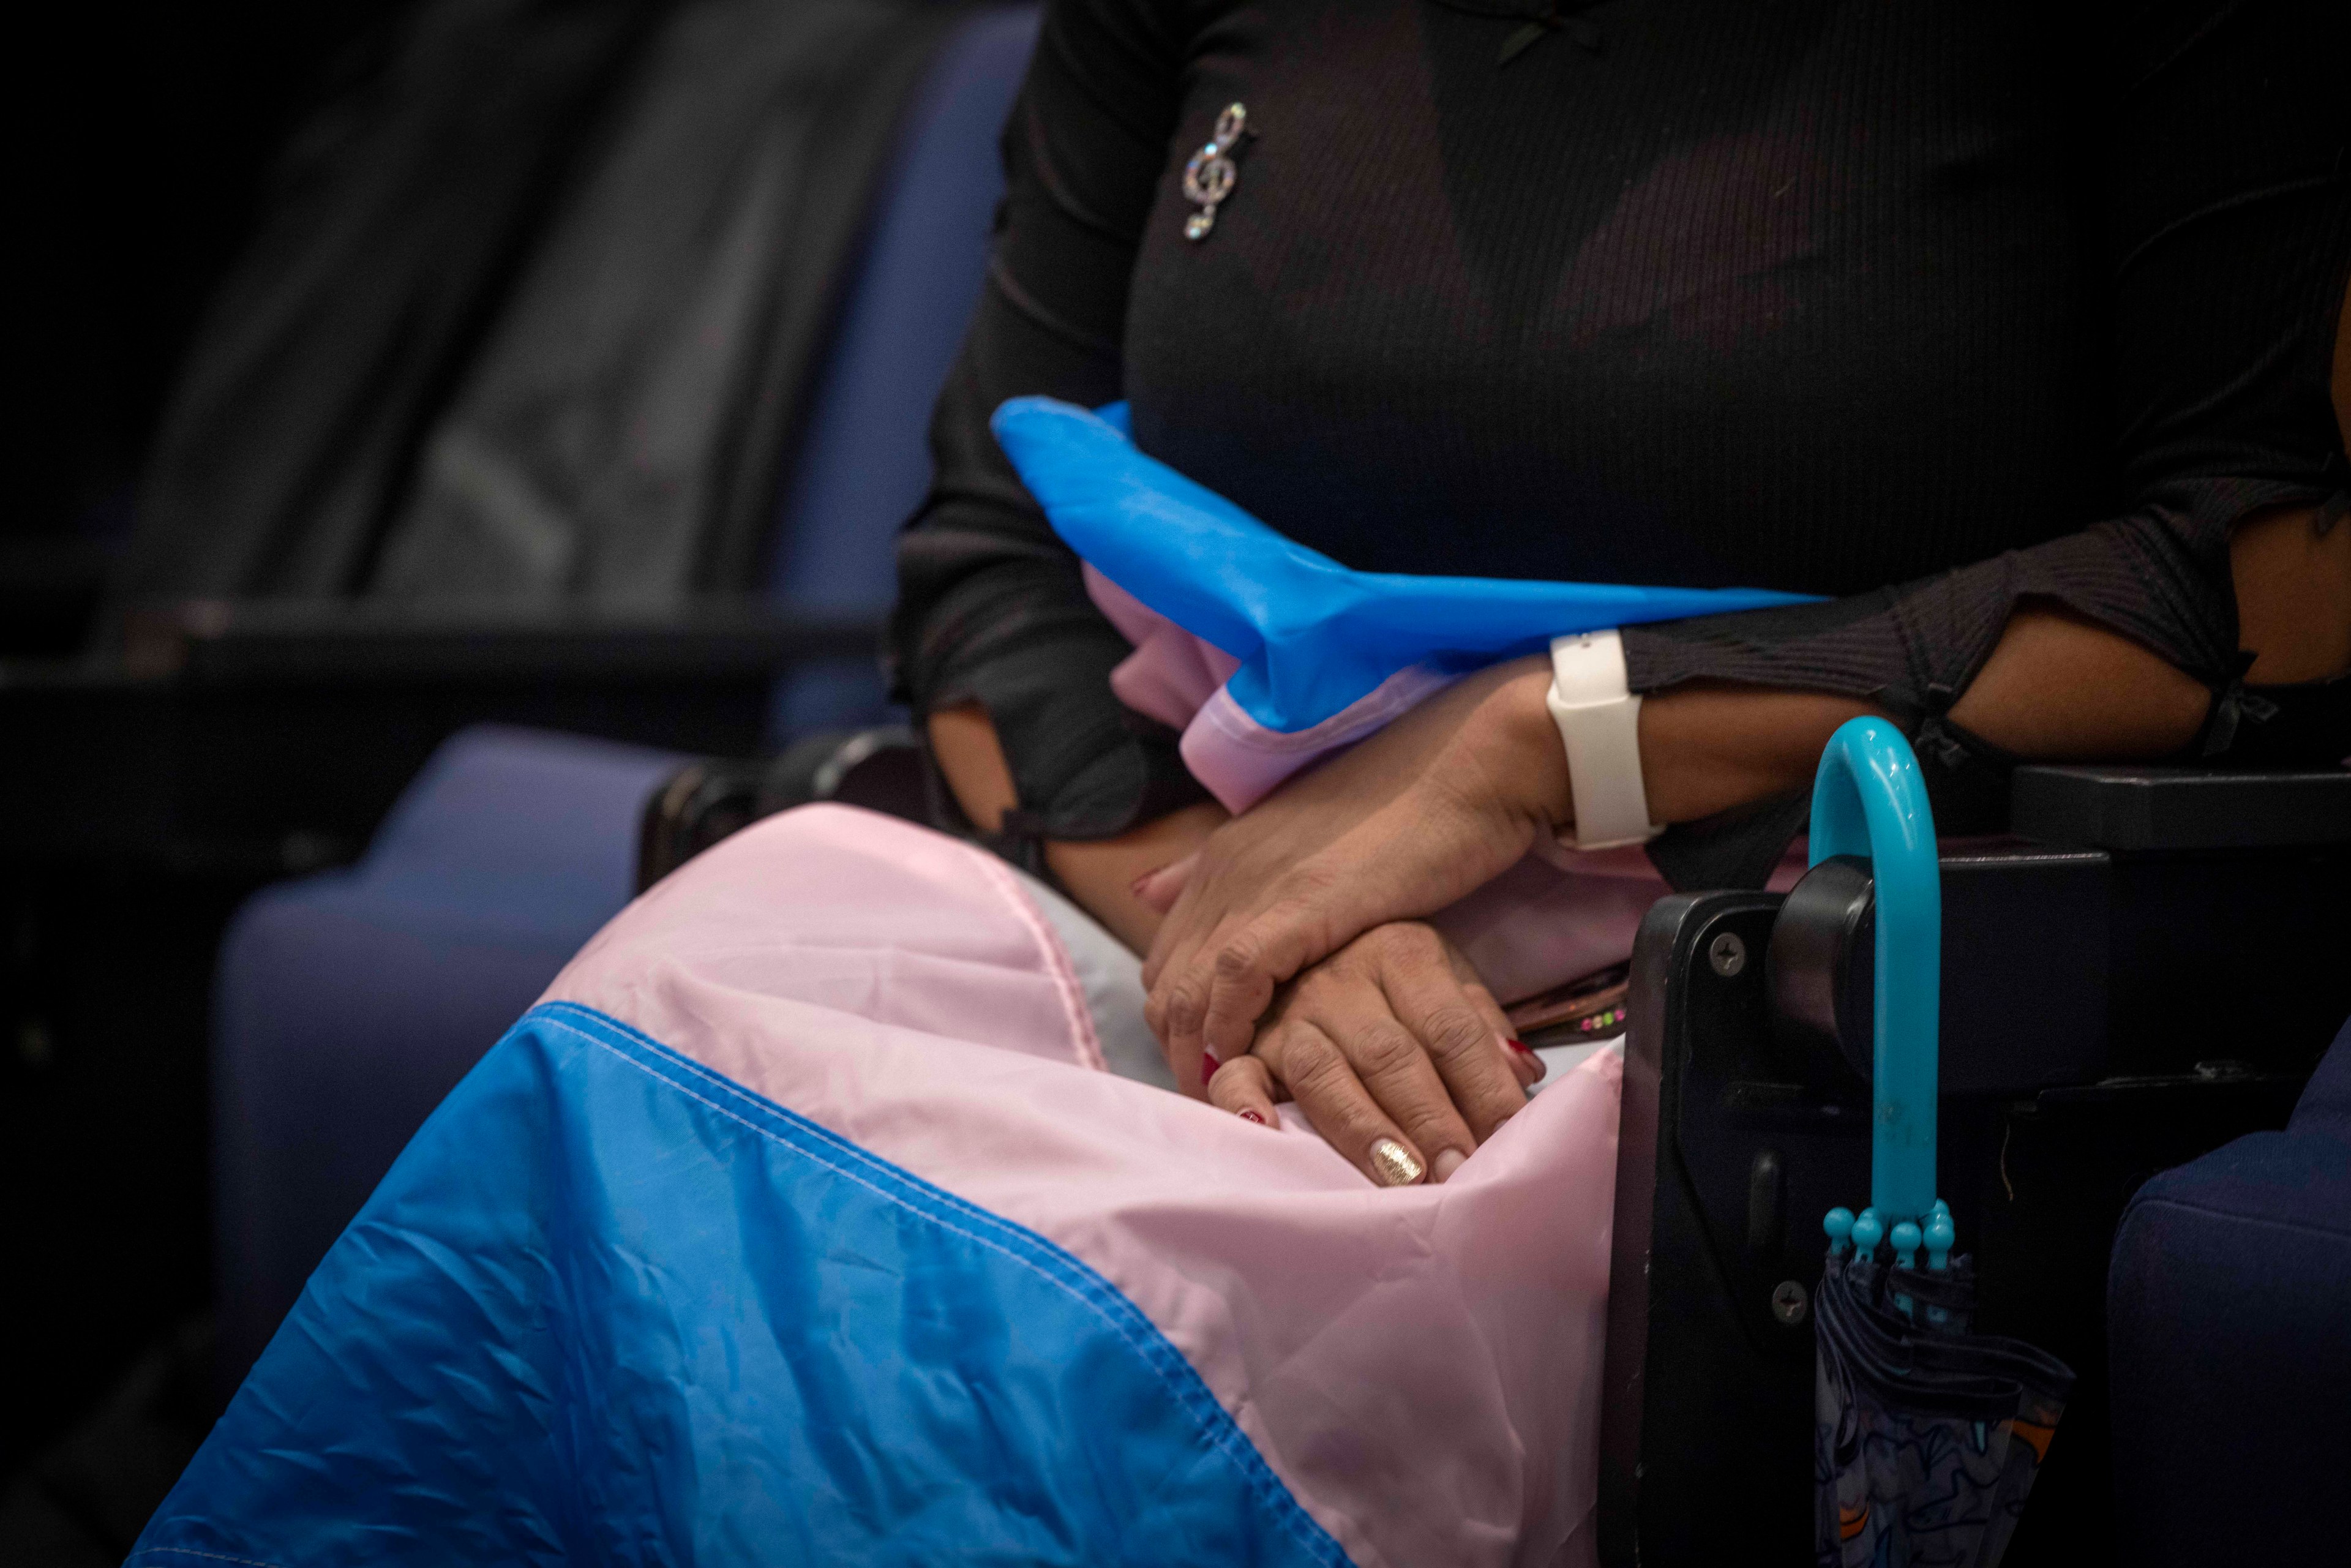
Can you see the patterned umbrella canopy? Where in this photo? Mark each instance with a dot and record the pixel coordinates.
(1926, 1437)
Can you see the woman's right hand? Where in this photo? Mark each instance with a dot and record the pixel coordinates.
(1395, 1049)
(1397, 827)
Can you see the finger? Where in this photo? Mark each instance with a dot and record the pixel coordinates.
(1461, 1042)
(1186, 921)
(1525, 1065)
(1474, 988)
(1157, 891)
(1244, 1088)
(1372, 876)
(1394, 1066)
(1234, 975)
(1174, 1004)
(1319, 1077)
(1195, 909)
(1174, 1009)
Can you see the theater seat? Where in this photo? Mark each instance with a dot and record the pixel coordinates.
(2229, 1309)
(346, 1004)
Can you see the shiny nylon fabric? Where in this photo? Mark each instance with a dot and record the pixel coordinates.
(1312, 637)
(611, 1306)
(1419, 1365)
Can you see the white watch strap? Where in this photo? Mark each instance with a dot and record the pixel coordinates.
(1599, 722)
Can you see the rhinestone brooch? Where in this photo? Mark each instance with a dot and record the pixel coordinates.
(1211, 174)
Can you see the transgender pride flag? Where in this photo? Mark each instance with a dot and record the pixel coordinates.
(1265, 653)
(800, 1222)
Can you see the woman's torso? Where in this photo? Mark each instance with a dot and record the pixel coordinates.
(1781, 292)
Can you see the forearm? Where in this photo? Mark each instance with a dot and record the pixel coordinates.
(2057, 687)
(1099, 874)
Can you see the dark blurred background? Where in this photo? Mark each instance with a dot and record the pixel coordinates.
(143, 135)
(458, 452)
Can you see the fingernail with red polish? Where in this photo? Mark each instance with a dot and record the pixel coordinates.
(1209, 1065)
(1524, 1060)
(1251, 1116)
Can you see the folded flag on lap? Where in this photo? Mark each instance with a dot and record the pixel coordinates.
(801, 1222)
(1320, 655)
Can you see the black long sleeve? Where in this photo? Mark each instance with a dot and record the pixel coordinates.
(991, 606)
(2227, 221)
(1981, 301)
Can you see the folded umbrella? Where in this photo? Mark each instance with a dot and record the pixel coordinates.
(1926, 1436)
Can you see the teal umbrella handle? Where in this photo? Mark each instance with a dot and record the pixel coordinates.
(1869, 799)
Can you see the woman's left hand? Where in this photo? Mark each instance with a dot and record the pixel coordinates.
(1418, 816)
(1396, 1052)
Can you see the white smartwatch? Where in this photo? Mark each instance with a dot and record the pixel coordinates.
(1599, 722)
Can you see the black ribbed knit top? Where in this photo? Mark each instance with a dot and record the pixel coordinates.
(1922, 304)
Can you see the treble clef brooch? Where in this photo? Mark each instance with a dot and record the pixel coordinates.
(1210, 177)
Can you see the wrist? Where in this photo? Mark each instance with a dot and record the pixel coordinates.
(1593, 705)
(1100, 874)
(1533, 775)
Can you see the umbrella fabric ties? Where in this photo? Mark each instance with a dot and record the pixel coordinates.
(1926, 1436)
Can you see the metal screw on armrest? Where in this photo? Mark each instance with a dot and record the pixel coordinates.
(1790, 1304)
(1727, 954)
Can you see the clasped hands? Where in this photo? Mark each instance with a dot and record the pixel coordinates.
(1293, 959)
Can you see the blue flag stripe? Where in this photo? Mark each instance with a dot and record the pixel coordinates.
(611, 1306)
(1023, 1246)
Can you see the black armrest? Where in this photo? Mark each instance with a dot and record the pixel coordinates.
(2122, 931)
(264, 738)
(880, 770)
(2153, 976)
(2143, 809)
(303, 643)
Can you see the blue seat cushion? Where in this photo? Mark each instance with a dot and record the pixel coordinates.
(348, 1004)
(2325, 1109)
(2229, 1308)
